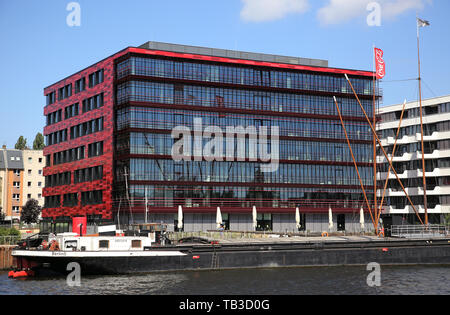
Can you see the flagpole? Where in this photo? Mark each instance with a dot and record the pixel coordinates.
(374, 143)
(421, 127)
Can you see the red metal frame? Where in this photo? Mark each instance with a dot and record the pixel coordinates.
(249, 62)
(385, 154)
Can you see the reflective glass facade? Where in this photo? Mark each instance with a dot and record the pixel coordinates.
(228, 74)
(155, 95)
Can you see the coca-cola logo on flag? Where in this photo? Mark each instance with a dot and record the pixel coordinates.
(380, 65)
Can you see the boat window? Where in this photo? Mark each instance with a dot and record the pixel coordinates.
(103, 244)
(136, 244)
(70, 244)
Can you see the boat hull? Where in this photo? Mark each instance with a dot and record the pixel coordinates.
(242, 256)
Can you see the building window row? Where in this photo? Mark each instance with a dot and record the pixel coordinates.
(412, 165)
(86, 128)
(50, 98)
(52, 202)
(88, 174)
(93, 103)
(95, 149)
(165, 93)
(71, 199)
(429, 147)
(54, 117)
(415, 112)
(168, 119)
(245, 172)
(428, 130)
(96, 78)
(77, 131)
(76, 154)
(241, 75)
(60, 179)
(92, 197)
(80, 85)
(80, 176)
(56, 137)
(246, 197)
(161, 144)
(431, 183)
(432, 201)
(71, 111)
(68, 156)
(65, 92)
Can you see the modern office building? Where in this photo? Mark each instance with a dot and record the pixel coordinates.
(408, 160)
(110, 140)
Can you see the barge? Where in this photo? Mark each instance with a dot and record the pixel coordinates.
(148, 252)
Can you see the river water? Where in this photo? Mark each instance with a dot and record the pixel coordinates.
(405, 280)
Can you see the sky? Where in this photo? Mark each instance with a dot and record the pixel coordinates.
(39, 47)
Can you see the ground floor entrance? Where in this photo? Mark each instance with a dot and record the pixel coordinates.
(276, 222)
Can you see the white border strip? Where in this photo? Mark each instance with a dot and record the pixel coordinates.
(28, 253)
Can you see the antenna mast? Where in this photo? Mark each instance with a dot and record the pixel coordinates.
(421, 128)
(127, 192)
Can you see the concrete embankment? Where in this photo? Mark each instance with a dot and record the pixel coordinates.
(6, 260)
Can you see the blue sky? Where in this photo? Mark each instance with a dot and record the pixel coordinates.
(39, 48)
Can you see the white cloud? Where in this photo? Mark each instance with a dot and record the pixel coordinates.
(270, 10)
(337, 11)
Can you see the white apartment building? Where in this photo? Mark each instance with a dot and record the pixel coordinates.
(33, 178)
(408, 160)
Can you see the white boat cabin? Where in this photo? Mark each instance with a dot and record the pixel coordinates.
(73, 242)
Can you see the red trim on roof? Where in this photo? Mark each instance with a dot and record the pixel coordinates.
(249, 62)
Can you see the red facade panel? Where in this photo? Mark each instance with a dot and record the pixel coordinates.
(106, 135)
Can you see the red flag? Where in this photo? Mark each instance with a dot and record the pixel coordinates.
(380, 65)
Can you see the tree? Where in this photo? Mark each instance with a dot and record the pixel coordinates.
(2, 215)
(30, 212)
(38, 143)
(447, 219)
(21, 143)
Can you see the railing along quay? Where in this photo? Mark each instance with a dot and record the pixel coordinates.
(420, 231)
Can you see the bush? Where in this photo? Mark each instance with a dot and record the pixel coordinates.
(9, 236)
(9, 232)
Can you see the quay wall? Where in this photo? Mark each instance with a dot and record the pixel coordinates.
(6, 260)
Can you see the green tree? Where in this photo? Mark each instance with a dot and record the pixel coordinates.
(38, 143)
(447, 219)
(30, 212)
(21, 143)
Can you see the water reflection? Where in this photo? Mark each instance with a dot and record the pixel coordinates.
(278, 281)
